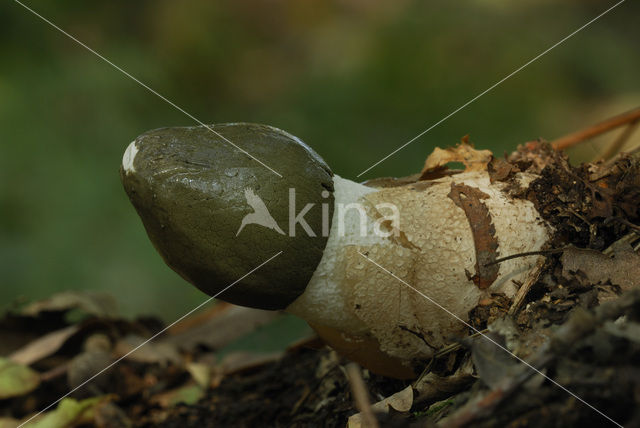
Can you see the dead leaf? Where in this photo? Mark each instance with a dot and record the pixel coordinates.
(69, 413)
(201, 373)
(16, 379)
(473, 160)
(9, 423)
(200, 317)
(108, 415)
(43, 346)
(500, 169)
(91, 302)
(469, 199)
(534, 156)
(400, 402)
(431, 386)
(189, 394)
(493, 364)
(623, 269)
(159, 352)
(626, 330)
(215, 332)
(236, 362)
(85, 366)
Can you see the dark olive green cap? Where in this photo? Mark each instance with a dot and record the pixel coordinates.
(189, 187)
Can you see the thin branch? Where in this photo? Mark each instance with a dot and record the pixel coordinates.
(532, 278)
(574, 138)
(452, 347)
(618, 143)
(361, 396)
(626, 222)
(525, 254)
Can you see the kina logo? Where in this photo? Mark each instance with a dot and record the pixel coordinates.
(260, 215)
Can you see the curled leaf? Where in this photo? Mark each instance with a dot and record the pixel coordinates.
(400, 401)
(473, 160)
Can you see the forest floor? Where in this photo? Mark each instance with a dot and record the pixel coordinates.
(576, 324)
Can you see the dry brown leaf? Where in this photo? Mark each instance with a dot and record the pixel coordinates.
(492, 363)
(159, 352)
(473, 160)
(432, 387)
(201, 373)
(400, 402)
(215, 332)
(200, 317)
(91, 302)
(9, 423)
(470, 200)
(623, 269)
(108, 415)
(239, 361)
(43, 346)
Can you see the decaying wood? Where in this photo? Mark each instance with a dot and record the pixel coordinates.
(581, 324)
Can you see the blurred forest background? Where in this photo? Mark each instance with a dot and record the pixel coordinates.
(355, 79)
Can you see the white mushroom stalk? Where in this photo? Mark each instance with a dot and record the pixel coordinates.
(448, 230)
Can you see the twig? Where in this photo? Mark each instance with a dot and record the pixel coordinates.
(446, 351)
(455, 346)
(532, 278)
(525, 254)
(617, 144)
(630, 239)
(55, 372)
(626, 222)
(574, 138)
(361, 396)
(433, 387)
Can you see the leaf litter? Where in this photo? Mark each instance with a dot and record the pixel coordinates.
(577, 321)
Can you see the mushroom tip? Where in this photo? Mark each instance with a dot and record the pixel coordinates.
(128, 158)
(214, 213)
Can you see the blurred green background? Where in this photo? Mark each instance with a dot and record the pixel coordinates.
(353, 78)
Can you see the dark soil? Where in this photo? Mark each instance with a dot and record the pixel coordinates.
(284, 394)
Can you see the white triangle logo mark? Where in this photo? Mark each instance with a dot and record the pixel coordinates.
(260, 214)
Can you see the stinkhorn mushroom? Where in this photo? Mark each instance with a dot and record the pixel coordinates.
(440, 235)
